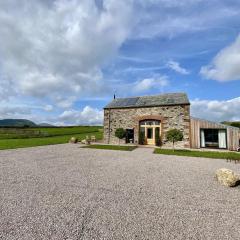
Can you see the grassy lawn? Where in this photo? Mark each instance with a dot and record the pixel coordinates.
(20, 133)
(112, 147)
(60, 137)
(205, 154)
(69, 130)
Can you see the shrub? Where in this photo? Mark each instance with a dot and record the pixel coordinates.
(141, 138)
(73, 140)
(120, 133)
(158, 140)
(174, 135)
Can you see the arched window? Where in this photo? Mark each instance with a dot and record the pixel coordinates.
(149, 122)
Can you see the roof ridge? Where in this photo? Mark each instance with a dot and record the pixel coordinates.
(165, 99)
(155, 95)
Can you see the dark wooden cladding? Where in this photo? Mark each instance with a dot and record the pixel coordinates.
(233, 134)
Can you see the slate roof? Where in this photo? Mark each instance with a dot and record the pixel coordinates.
(150, 101)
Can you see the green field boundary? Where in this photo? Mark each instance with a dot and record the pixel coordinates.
(111, 147)
(33, 142)
(22, 133)
(23, 136)
(204, 154)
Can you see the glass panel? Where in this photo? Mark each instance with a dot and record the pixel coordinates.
(150, 133)
(211, 138)
(150, 122)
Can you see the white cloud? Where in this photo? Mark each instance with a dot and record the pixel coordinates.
(6, 90)
(31, 110)
(88, 116)
(22, 112)
(142, 69)
(54, 51)
(170, 18)
(150, 83)
(170, 3)
(14, 112)
(58, 48)
(48, 108)
(65, 102)
(215, 110)
(177, 68)
(226, 65)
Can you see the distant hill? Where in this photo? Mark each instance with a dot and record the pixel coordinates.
(233, 124)
(17, 123)
(45, 125)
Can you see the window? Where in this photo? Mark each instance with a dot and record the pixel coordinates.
(213, 138)
(150, 122)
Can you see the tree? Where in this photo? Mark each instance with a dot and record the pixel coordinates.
(120, 133)
(158, 141)
(174, 135)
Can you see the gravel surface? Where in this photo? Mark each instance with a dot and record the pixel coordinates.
(66, 192)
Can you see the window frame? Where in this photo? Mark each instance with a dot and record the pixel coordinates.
(217, 129)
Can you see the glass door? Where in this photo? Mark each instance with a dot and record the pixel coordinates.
(150, 139)
(147, 129)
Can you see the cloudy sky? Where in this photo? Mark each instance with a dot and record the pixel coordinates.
(61, 61)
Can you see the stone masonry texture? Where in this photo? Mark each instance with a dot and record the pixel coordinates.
(177, 116)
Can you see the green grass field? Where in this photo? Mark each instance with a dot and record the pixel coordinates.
(112, 147)
(20, 133)
(205, 154)
(20, 138)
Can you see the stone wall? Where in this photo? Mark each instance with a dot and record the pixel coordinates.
(171, 117)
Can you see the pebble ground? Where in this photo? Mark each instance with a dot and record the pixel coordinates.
(67, 192)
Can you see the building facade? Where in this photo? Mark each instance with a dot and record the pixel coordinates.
(207, 134)
(162, 112)
(151, 115)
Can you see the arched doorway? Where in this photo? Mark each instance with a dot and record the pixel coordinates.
(150, 128)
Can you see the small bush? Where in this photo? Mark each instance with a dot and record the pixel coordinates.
(158, 140)
(120, 133)
(141, 140)
(73, 140)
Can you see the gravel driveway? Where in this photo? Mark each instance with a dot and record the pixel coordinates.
(66, 192)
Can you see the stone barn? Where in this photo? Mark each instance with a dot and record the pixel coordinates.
(148, 113)
(157, 114)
